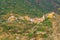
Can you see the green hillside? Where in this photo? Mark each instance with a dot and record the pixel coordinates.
(30, 7)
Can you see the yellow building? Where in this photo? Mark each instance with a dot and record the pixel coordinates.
(50, 15)
(26, 17)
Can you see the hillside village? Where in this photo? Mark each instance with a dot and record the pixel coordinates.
(29, 19)
(24, 26)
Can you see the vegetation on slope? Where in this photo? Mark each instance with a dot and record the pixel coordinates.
(23, 29)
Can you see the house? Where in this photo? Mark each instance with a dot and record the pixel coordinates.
(50, 15)
(37, 20)
(11, 18)
(26, 17)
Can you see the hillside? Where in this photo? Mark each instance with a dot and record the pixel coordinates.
(29, 20)
(30, 7)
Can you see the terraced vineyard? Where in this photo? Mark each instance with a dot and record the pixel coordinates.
(29, 20)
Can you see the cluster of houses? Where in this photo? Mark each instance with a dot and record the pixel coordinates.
(34, 20)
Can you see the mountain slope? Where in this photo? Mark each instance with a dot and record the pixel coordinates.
(30, 7)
